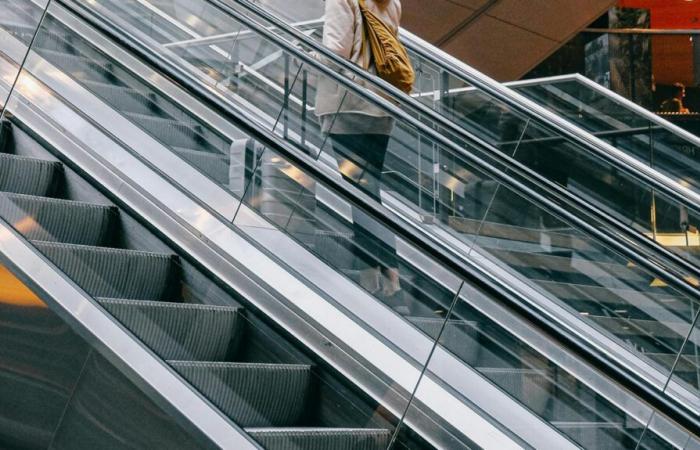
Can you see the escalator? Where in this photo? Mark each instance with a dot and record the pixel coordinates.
(441, 189)
(210, 159)
(244, 368)
(664, 146)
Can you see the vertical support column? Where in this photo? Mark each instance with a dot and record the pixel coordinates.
(304, 105)
(287, 93)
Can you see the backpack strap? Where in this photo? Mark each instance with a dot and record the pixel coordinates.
(363, 47)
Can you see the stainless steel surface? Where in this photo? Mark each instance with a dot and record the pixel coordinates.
(119, 346)
(617, 98)
(264, 233)
(235, 248)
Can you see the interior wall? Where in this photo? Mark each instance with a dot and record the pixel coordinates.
(672, 56)
(503, 38)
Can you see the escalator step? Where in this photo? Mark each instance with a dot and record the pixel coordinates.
(459, 336)
(172, 132)
(532, 387)
(321, 438)
(251, 394)
(214, 165)
(114, 273)
(121, 98)
(179, 331)
(47, 219)
(79, 66)
(21, 175)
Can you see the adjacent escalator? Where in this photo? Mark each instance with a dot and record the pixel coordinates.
(217, 346)
(464, 207)
(589, 277)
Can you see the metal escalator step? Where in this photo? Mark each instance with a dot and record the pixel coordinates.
(459, 336)
(114, 273)
(179, 331)
(21, 175)
(597, 435)
(532, 387)
(214, 165)
(251, 394)
(321, 438)
(48, 219)
(121, 98)
(172, 132)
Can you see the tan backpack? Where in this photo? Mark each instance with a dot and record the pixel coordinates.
(389, 55)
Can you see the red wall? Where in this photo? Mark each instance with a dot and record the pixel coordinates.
(669, 13)
(672, 56)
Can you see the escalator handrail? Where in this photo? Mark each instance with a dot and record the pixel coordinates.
(611, 155)
(613, 96)
(673, 190)
(522, 104)
(508, 297)
(668, 263)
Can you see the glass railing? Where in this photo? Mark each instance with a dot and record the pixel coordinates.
(625, 125)
(234, 366)
(519, 134)
(365, 251)
(29, 18)
(475, 213)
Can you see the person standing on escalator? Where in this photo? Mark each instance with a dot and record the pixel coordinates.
(675, 103)
(359, 133)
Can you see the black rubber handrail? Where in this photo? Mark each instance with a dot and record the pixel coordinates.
(484, 281)
(641, 172)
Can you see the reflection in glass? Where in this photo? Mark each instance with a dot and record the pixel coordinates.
(57, 392)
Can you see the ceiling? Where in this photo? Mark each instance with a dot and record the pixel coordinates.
(503, 38)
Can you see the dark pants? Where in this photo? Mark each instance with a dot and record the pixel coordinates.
(361, 159)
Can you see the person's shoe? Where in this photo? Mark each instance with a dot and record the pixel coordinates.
(391, 282)
(370, 279)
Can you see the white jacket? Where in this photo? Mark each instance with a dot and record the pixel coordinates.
(343, 33)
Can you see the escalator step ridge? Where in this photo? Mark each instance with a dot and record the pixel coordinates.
(104, 250)
(321, 438)
(252, 394)
(179, 330)
(242, 365)
(31, 176)
(173, 132)
(171, 304)
(114, 273)
(56, 220)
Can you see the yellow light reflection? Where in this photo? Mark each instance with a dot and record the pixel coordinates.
(30, 88)
(677, 239)
(692, 280)
(14, 292)
(350, 169)
(26, 225)
(298, 176)
(657, 283)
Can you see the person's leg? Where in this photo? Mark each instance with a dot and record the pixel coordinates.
(361, 160)
(391, 283)
(349, 150)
